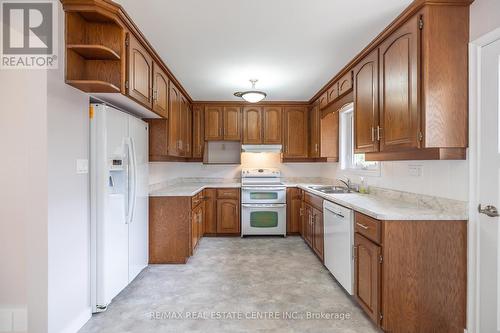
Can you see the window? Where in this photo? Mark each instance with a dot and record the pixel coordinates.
(350, 161)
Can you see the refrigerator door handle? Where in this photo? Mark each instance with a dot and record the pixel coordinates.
(132, 188)
(134, 201)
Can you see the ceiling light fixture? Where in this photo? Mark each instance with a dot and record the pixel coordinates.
(251, 96)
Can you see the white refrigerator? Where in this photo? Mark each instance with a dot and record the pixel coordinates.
(119, 201)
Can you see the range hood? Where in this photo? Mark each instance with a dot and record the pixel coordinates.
(261, 148)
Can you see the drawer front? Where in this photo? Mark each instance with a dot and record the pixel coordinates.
(368, 227)
(228, 193)
(313, 200)
(197, 199)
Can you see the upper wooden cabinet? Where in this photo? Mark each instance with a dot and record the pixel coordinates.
(366, 104)
(160, 91)
(399, 61)
(174, 123)
(295, 130)
(185, 128)
(252, 125)
(232, 123)
(314, 132)
(198, 131)
(262, 125)
(344, 85)
(140, 71)
(329, 129)
(213, 123)
(271, 116)
(222, 123)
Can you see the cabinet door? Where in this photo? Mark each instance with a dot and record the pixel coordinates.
(158, 139)
(366, 104)
(198, 132)
(308, 232)
(210, 218)
(329, 128)
(213, 123)
(399, 70)
(272, 125)
(252, 125)
(303, 217)
(367, 276)
(294, 213)
(345, 83)
(201, 218)
(232, 123)
(194, 229)
(314, 131)
(160, 91)
(333, 92)
(140, 71)
(323, 100)
(174, 122)
(184, 122)
(318, 239)
(228, 216)
(295, 132)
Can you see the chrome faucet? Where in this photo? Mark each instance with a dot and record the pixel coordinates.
(346, 183)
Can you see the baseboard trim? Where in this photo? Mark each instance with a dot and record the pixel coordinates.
(77, 323)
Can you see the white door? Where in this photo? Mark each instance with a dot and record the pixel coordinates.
(488, 188)
(138, 226)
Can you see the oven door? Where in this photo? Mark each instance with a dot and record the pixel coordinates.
(263, 195)
(263, 219)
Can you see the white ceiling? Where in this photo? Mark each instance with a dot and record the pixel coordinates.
(292, 46)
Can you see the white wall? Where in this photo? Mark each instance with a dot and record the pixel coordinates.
(484, 17)
(162, 171)
(447, 179)
(23, 196)
(68, 202)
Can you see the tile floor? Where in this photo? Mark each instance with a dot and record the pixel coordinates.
(230, 282)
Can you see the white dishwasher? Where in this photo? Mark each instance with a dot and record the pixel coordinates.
(339, 239)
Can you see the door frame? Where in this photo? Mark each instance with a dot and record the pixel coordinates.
(475, 54)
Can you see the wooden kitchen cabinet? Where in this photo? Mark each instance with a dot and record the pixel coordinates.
(399, 90)
(185, 128)
(314, 132)
(198, 137)
(295, 137)
(196, 226)
(252, 125)
(228, 216)
(308, 225)
(317, 232)
(329, 132)
(366, 104)
(213, 123)
(431, 255)
(332, 93)
(210, 221)
(271, 116)
(345, 84)
(294, 212)
(232, 123)
(175, 123)
(367, 276)
(323, 100)
(160, 91)
(262, 125)
(140, 71)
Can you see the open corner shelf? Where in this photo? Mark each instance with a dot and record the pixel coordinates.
(95, 86)
(94, 51)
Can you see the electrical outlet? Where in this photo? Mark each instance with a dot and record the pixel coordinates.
(415, 170)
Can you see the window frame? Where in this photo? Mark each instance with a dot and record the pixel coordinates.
(346, 146)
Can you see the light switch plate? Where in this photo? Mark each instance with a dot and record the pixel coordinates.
(82, 166)
(415, 170)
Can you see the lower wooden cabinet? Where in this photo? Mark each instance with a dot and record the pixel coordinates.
(228, 211)
(411, 276)
(311, 213)
(294, 212)
(367, 276)
(210, 220)
(197, 224)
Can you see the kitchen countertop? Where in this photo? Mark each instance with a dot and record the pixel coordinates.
(378, 207)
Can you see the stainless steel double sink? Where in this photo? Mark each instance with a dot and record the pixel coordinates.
(330, 189)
